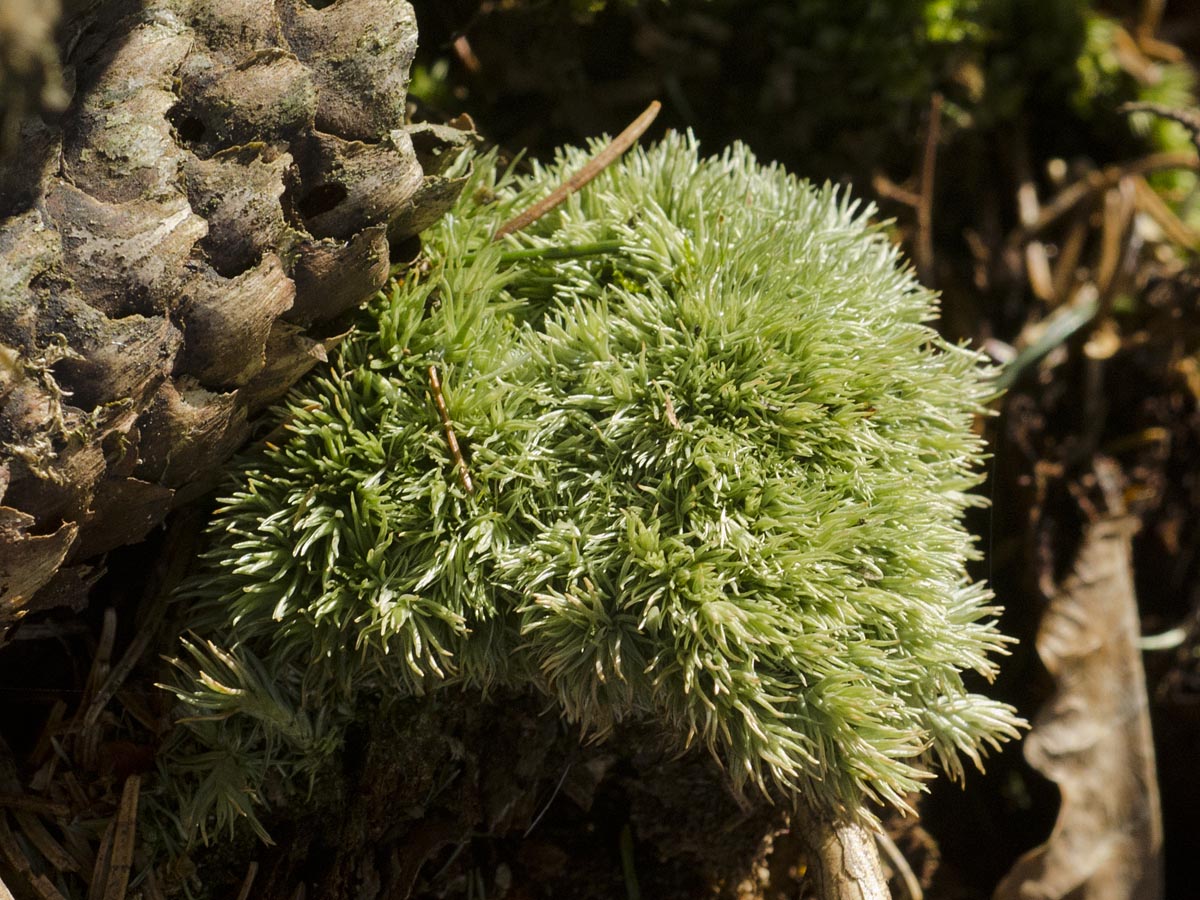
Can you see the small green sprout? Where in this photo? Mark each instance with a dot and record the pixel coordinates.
(715, 462)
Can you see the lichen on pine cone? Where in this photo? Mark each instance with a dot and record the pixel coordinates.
(718, 462)
(224, 184)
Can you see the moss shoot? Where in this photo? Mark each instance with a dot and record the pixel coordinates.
(712, 467)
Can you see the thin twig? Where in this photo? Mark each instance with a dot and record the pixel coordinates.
(887, 188)
(1149, 202)
(594, 167)
(1095, 182)
(924, 248)
(464, 475)
(628, 868)
(1188, 118)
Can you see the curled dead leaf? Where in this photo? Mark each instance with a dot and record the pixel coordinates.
(1093, 738)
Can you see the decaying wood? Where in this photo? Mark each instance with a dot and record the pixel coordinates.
(228, 177)
(1093, 738)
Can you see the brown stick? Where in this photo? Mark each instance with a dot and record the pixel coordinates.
(844, 859)
(594, 167)
(464, 475)
(1188, 118)
(1149, 18)
(924, 248)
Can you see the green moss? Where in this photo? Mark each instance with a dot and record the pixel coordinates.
(718, 481)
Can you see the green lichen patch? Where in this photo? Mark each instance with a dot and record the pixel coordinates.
(717, 478)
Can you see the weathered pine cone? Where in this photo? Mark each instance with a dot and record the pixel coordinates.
(229, 177)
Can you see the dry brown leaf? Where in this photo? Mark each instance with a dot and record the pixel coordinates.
(1093, 738)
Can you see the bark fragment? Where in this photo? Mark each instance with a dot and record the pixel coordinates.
(223, 165)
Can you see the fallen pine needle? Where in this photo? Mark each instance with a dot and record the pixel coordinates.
(591, 169)
(464, 475)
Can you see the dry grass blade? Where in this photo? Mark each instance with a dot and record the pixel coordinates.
(117, 879)
(30, 803)
(116, 677)
(151, 890)
(17, 861)
(11, 850)
(45, 888)
(103, 857)
(87, 745)
(594, 167)
(44, 748)
(36, 833)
